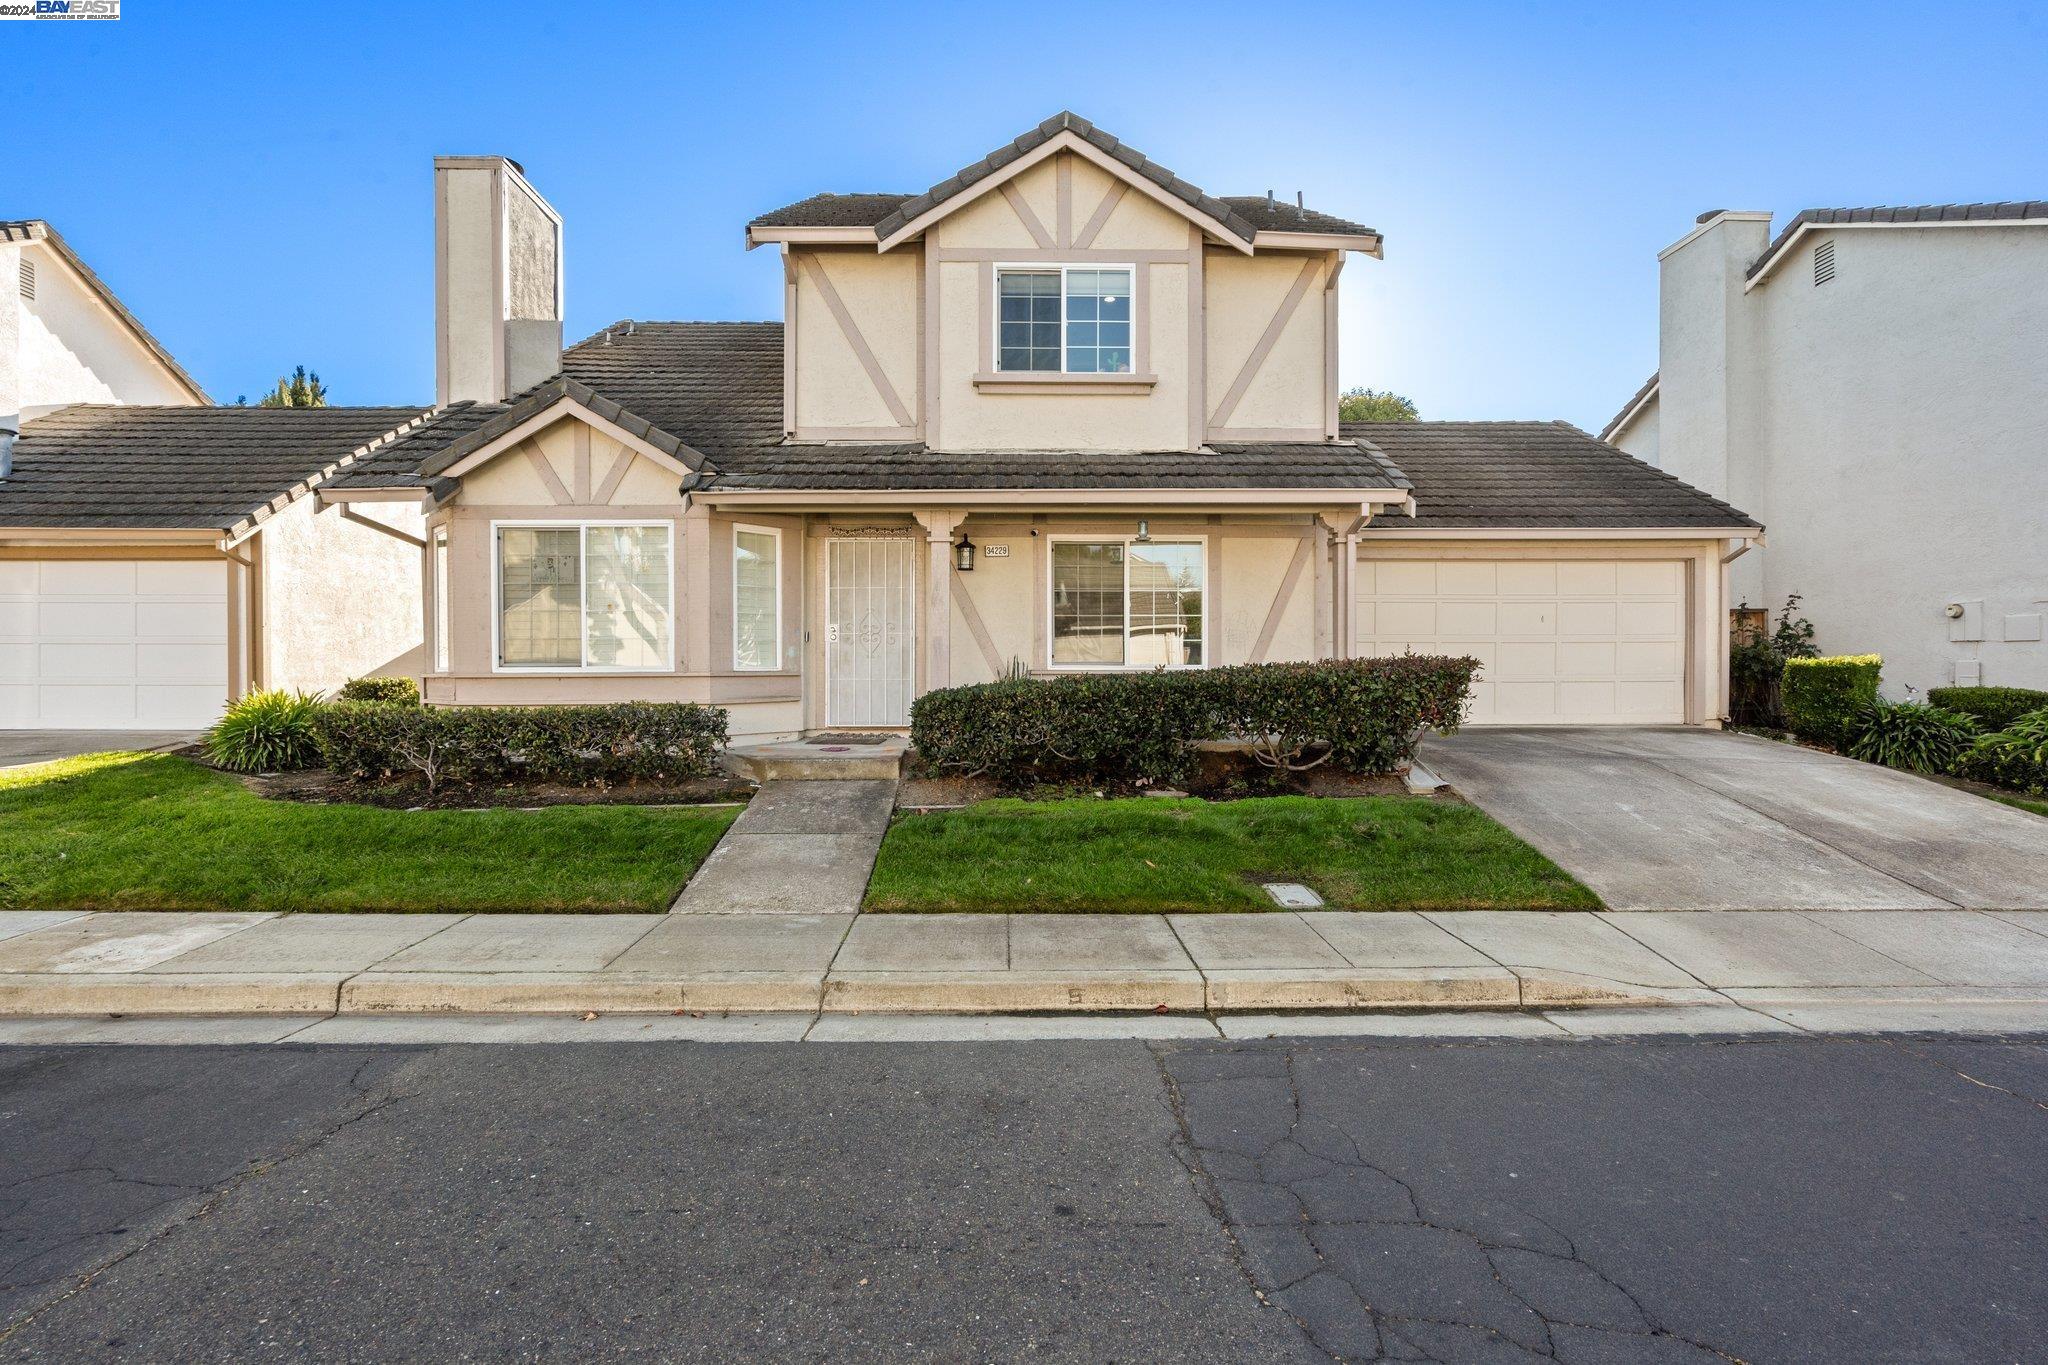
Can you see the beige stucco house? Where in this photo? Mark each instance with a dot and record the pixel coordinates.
(159, 554)
(1812, 375)
(1061, 412)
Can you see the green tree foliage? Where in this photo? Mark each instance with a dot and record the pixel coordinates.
(1372, 405)
(297, 390)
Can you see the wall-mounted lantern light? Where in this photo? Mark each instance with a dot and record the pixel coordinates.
(963, 554)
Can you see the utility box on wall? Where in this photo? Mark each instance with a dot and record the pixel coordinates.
(1966, 620)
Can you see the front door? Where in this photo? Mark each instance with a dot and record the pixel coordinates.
(870, 634)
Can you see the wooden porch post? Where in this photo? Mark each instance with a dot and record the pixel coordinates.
(939, 526)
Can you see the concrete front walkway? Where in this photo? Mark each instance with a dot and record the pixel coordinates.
(1704, 820)
(800, 847)
(182, 964)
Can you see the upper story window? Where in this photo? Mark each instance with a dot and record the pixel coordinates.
(1064, 319)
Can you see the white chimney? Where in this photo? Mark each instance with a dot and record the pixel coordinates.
(497, 281)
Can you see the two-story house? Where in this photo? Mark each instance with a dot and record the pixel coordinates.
(1873, 381)
(1063, 411)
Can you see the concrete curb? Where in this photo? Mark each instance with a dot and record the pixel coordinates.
(852, 992)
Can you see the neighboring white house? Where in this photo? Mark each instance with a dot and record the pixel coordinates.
(1873, 385)
(158, 554)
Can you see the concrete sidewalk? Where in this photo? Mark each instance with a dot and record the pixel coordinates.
(55, 963)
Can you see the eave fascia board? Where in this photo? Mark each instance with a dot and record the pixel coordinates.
(1789, 246)
(1306, 499)
(1630, 413)
(330, 497)
(107, 535)
(564, 407)
(1375, 532)
(1365, 244)
(1065, 140)
(810, 236)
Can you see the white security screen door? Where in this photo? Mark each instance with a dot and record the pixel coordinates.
(870, 633)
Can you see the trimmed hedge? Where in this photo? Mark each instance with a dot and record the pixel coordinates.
(591, 746)
(1825, 698)
(390, 691)
(1358, 715)
(1992, 707)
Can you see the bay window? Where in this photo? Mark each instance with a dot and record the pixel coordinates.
(1067, 319)
(756, 598)
(1128, 604)
(585, 596)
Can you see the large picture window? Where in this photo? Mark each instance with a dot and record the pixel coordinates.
(756, 598)
(1064, 319)
(595, 596)
(1128, 604)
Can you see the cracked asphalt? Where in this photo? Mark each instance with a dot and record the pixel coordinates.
(1666, 1200)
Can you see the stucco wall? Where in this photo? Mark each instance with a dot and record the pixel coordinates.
(836, 397)
(67, 347)
(1286, 389)
(339, 600)
(1639, 437)
(1894, 441)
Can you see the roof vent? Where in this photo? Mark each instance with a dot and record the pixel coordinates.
(1824, 262)
(28, 280)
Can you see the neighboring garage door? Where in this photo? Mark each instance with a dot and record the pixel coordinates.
(112, 644)
(1563, 642)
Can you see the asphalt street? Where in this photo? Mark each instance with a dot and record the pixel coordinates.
(1667, 1200)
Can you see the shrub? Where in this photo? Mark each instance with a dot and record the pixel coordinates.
(1756, 666)
(2015, 757)
(1912, 735)
(578, 745)
(1824, 697)
(1993, 708)
(1360, 715)
(390, 691)
(266, 732)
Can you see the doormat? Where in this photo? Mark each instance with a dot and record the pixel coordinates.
(835, 738)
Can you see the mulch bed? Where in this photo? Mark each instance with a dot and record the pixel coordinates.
(1218, 776)
(324, 788)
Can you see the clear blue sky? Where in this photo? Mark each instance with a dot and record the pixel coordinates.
(254, 181)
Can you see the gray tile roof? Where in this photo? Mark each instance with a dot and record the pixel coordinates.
(119, 466)
(1630, 406)
(1244, 215)
(2011, 211)
(36, 229)
(1347, 465)
(716, 389)
(1498, 475)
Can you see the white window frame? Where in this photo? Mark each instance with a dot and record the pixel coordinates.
(583, 529)
(1208, 592)
(775, 531)
(995, 308)
(444, 645)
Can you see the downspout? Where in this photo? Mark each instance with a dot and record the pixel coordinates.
(1724, 685)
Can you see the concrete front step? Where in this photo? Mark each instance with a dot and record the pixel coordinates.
(810, 761)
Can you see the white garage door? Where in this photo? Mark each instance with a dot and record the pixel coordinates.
(112, 644)
(1581, 642)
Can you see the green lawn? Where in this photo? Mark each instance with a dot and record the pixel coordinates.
(1154, 854)
(126, 831)
(2025, 803)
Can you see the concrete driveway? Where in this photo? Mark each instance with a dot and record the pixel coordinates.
(1658, 819)
(41, 746)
